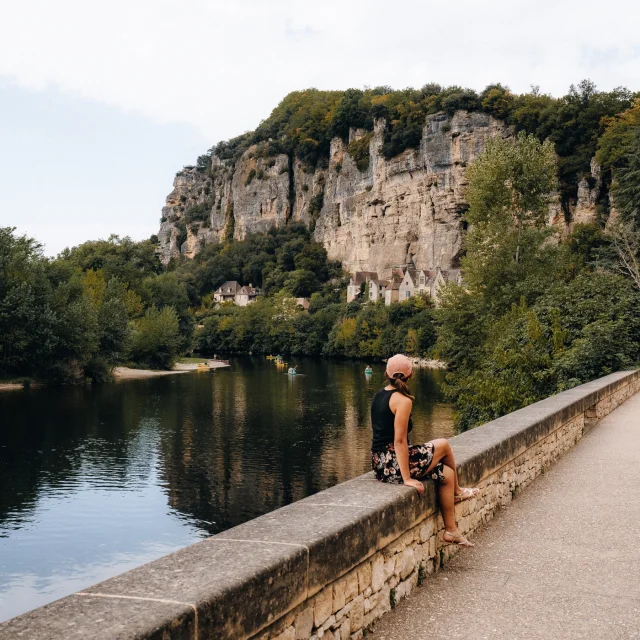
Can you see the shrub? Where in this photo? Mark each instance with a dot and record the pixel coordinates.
(181, 227)
(197, 212)
(359, 151)
(315, 204)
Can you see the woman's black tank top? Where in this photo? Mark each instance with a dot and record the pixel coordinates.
(382, 420)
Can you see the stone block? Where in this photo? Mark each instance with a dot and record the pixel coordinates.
(339, 599)
(377, 573)
(364, 576)
(287, 634)
(322, 605)
(268, 579)
(337, 539)
(329, 622)
(357, 614)
(345, 611)
(370, 603)
(426, 530)
(80, 617)
(351, 586)
(304, 623)
(389, 568)
(407, 563)
(421, 552)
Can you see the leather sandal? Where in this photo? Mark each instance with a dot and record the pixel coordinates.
(457, 538)
(466, 493)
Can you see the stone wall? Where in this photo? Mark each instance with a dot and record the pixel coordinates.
(331, 564)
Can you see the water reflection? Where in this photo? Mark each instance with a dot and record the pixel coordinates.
(94, 481)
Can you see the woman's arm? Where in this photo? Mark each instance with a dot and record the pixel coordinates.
(402, 406)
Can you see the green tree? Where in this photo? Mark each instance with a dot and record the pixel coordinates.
(156, 338)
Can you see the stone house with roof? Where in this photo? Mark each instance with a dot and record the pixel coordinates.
(358, 279)
(232, 291)
(377, 289)
(392, 292)
(246, 295)
(226, 292)
(404, 283)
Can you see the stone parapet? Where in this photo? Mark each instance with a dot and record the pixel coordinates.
(331, 564)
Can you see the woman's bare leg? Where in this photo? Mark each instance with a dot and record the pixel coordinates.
(442, 453)
(445, 499)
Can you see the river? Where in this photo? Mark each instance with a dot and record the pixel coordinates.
(95, 480)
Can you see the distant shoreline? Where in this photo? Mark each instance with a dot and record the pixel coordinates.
(126, 373)
(11, 386)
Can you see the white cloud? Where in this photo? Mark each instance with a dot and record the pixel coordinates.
(223, 65)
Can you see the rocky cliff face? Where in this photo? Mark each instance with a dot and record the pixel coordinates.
(407, 208)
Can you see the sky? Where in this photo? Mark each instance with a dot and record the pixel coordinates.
(102, 102)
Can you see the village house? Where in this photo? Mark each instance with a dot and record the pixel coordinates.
(392, 292)
(358, 282)
(366, 281)
(405, 283)
(377, 289)
(232, 291)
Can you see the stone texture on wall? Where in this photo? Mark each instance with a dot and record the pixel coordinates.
(331, 564)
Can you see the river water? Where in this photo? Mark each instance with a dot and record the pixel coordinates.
(96, 480)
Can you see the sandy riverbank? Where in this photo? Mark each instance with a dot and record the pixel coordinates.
(193, 366)
(125, 373)
(10, 386)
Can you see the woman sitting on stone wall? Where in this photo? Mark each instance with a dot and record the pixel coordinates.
(395, 460)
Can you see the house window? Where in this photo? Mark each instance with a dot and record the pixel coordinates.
(407, 294)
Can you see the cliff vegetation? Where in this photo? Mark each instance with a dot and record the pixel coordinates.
(305, 122)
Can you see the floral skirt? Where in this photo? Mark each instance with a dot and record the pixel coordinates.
(385, 464)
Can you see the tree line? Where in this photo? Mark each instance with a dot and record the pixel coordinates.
(305, 122)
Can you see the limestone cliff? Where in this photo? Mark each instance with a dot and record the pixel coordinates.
(407, 207)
